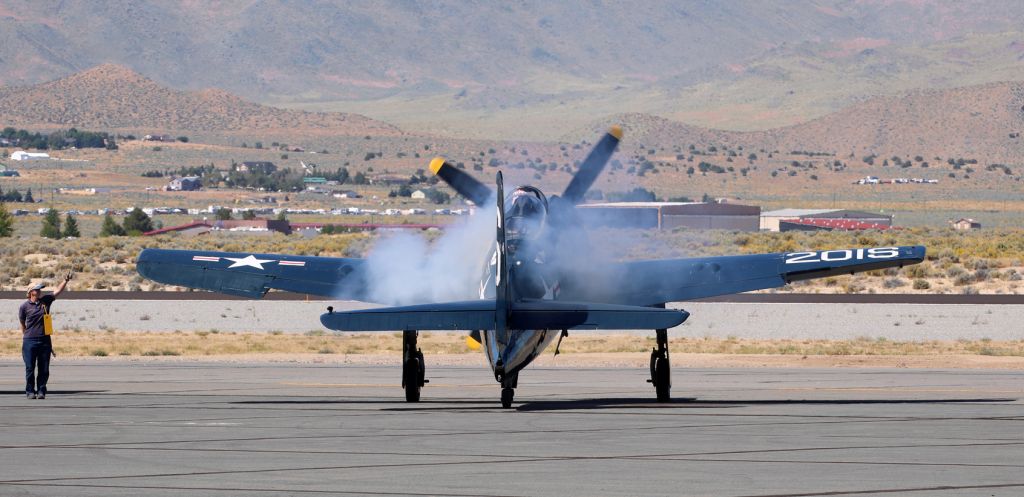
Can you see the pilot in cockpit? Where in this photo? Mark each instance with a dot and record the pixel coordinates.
(525, 219)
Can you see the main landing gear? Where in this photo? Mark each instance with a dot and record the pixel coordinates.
(508, 388)
(413, 368)
(661, 372)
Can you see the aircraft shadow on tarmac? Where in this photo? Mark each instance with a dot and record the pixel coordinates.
(605, 403)
(694, 403)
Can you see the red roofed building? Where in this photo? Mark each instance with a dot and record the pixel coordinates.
(818, 224)
(191, 229)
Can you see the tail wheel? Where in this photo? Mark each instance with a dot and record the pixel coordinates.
(662, 379)
(412, 373)
(506, 397)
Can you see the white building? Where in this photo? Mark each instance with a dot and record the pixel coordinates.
(23, 155)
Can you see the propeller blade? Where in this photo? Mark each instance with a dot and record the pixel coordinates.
(460, 181)
(474, 340)
(592, 166)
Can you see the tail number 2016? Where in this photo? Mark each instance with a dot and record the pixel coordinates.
(842, 255)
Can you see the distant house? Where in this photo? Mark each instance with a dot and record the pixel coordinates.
(158, 138)
(419, 194)
(347, 194)
(22, 155)
(185, 184)
(964, 224)
(263, 167)
(8, 172)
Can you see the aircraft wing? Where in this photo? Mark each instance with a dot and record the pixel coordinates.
(481, 314)
(252, 275)
(672, 280)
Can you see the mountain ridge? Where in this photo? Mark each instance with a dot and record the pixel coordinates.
(114, 97)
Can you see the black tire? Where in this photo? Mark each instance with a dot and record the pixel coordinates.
(663, 380)
(411, 379)
(506, 397)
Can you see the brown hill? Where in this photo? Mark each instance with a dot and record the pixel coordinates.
(979, 122)
(113, 97)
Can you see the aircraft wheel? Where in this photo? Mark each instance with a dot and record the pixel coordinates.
(506, 397)
(662, 380)
(411, 374)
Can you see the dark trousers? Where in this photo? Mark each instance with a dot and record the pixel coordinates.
(36, 353)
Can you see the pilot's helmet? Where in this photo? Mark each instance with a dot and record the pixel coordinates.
(524, 218)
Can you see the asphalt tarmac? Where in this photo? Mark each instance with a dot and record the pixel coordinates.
(119, 428)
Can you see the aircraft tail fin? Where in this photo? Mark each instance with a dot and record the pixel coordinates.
(502, 293)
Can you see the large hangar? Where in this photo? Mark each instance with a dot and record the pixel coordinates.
(670, 215)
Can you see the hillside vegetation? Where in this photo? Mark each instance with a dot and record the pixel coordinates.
(115, 98)
(528, 70)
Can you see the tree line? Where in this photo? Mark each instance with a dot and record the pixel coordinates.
(60, 139)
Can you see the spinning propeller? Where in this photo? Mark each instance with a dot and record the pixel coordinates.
(480, 194)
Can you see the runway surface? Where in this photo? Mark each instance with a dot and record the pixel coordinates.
(835, 321)
(176, 429)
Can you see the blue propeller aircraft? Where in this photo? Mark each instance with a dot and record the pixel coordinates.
(537, 284)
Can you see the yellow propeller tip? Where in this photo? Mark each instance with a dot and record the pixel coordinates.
(472, 344)
(616, 131)
(436, 164)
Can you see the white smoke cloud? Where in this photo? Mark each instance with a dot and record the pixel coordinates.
(405, 269)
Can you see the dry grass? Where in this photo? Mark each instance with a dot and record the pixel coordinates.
(213, 343)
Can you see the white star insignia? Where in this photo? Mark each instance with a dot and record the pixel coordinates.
(249, 260)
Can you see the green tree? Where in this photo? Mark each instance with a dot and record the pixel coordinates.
(71, 227)
(223, 214)
(28, 196)
(137, 222)
(248, 215)
(282, 216)
(6, 222)
(110, 227)
(51, 225)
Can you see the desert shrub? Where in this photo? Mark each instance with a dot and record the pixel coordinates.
(963, 279)
(894, 283)
(920, 284)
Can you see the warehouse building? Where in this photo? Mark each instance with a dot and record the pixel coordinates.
(671, 215)
(770, 220)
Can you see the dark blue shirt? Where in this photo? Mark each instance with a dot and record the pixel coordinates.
(31, 314)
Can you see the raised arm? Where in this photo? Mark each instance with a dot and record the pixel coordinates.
(63, 284)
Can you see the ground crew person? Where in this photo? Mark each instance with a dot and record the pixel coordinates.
(35, 343)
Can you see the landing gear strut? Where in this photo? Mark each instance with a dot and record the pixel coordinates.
(413, 368)
(508, 389)
(661, 373)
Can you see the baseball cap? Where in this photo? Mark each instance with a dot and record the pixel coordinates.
(39, 286)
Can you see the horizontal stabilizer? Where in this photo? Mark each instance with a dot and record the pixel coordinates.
(480, 315)
(253, 275)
